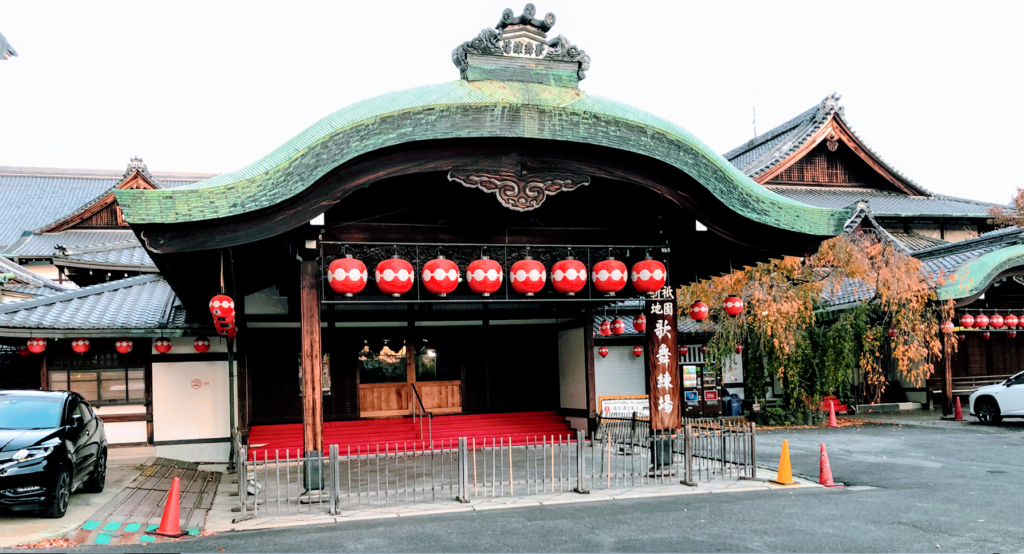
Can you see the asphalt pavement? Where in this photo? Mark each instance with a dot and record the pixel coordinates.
(913, 489)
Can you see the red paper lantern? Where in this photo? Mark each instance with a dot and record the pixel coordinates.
(961, 337)
(603, 351)
(80, 345)
(347, 275)
(609, 276)
(638, 351)
(699, 311)
(222, 306)
(981, 321)
(618, 326)
(440, 276)
(23, 351)
(123, 346)
(527, 276)
(947, 327)
(683, 351)
(1011, 334)
(648, 275)
(996, 321)
(569, 276)
(606, 328)
(484, 276)
(162, 345)
(967, 321)
(703, 349)
(1011, 321)
(892, 332)
(986, 335)
(733, 305)
(739, 348)
(394, 276)
(201, 344)
(36, 345)
(640, 323)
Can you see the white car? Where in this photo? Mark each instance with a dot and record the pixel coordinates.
(992, 403)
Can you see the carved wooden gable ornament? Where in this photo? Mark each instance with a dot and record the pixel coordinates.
(519, 192)
(518, 49)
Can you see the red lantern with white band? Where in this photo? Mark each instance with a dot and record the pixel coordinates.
(440, 276)
(703, 349)
(394, 276)
(80, 345)
(733, 305)
(739, 348)
(947, 327)
(648, 275)
(201, 345)
(961, 337)
(123, 346)
(683, 351)
(347, 276)
(222, 306)
(603, 351)
(1011, 321)
(892, 332)
(618, 326)
(986, 335)
(162, 345)
(606, 328)
(981, 321)
(527, 276)
(569, 276)
(640, 323)
(967, 321)
(609, 276)
(699, 311)
(996, 321)
(23, 351)
(36, 345)
(1011, 334)
(484, 276)
(638, 351)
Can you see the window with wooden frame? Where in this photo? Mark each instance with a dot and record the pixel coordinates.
(102, 376)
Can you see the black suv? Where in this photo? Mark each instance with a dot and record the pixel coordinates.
(51, 443)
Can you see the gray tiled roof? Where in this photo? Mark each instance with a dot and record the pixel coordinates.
(31, 198)
(127, 255)
(27, 282)
(915, 241)
(42, 246)
(143, 305)
(884, 203)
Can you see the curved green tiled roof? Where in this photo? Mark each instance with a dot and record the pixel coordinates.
(976, 275)
(479, 109)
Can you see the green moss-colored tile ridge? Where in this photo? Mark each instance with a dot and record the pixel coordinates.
(977, 274)
(479, 109)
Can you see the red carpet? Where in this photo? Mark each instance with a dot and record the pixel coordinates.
(367, 434)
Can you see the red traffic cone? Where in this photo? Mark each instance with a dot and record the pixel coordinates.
(170, 523)
(832, 414)
(958, 414)
(825, 473)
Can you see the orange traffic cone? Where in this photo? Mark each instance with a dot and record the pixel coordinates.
(170, 524)
(785, 470)
(832, 414)
(825, 474)
(958, 414)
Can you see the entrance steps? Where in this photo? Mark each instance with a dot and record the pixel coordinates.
(364, 436)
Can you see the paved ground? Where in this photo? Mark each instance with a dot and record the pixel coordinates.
(917, 488)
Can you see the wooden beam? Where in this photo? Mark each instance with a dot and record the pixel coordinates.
(312, 389)
(588, 347)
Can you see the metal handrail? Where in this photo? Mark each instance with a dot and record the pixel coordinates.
(430, 417)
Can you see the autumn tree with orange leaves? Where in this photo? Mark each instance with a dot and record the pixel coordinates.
(813, 321)
(1014, 215)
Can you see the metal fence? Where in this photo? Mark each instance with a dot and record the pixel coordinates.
(621, 453)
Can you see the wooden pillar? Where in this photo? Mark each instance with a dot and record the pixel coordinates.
(588, 347)
(44, 374)
(312, 389)
(947, 381)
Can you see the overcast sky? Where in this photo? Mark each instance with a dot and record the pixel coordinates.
(933, 87)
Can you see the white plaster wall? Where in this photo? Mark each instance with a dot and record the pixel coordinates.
(572, 369)
(124, 431)
(205, 452)
(183, 412)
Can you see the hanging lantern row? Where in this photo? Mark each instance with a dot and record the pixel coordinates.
(996, 321)
(395, 276)
(733, 307)
(80, 345)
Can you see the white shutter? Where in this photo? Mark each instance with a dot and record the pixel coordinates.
(619, 373)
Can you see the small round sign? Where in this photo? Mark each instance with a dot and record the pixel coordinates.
(197, 383)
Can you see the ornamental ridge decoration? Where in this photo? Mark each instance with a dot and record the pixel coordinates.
(521, 193)
(522, 36)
